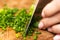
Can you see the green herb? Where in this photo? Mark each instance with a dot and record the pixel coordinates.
(17, 35)
(35, 37)
(36, 24)
(36, 32)
(24, 38)
(18, 22)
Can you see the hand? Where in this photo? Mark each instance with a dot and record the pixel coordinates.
(51, 18)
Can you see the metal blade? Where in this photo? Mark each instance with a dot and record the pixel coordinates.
(35, 6)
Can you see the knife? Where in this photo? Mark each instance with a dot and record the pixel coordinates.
(35, 6)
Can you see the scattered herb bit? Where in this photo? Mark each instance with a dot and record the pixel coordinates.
(36, 32)
(17, 35)
(24, 38)
(35, 37)
(30, 31)
(36, 24)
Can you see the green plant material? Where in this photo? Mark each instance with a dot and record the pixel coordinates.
(36, 32)
(18, 22)
(30, 31)
(35, 37)
(17, 19)
(35, 24)
(17, 35)
(31, 10)
(24, 38)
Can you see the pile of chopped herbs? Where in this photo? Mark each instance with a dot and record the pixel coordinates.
(15, 18)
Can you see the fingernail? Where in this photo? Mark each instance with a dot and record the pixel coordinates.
(41, 25)
(50, 29)
(57, 37)
(43, 15)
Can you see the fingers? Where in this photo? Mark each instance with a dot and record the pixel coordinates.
(50, 9)
(55, 29)
(47, 22)
(57, 37)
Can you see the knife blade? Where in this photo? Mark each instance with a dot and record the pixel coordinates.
(35, 6)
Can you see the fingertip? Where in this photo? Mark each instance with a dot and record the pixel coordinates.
(57, 37)
(50, 9)
(43, 14)
(40, 25)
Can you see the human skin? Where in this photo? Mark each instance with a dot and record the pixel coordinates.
(51, 18)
